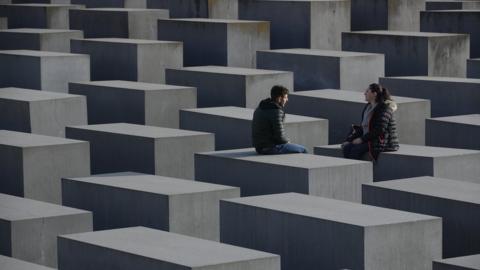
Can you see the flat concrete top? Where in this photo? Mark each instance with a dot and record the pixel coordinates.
(435, 187)
(420, 151)
(38, 31)
(436, 79)
(246, 114)
(129, 41)
(468, 119)
(28, 95)
(474, 59)
(125, 9)
(140, 130)
(14, 208)
(150, 183)
(232, 70)
(304, 161)
(472, 261)
(140, 86)
(330, 209)
(169, 247)
(350, 96)
(326, 53)
(39, 53)
(24, 140)
(45, 5)
(8, 263)
(404, 33)
(206, 20)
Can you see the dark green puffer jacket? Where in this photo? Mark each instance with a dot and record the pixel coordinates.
(267, 125)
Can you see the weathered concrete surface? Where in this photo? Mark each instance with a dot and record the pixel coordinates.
(451, 4)
(460, 131)
(413, 53)
(229, 86)
(232, 127)
(130, 59)
(460, 263)
(344, 108)
(448, 96)
(32, 165)
(311, 232)
(473, 68)
(117, 22)
(217, 42)
(57, 40)
(40, 112)
(319, 69)
(62, 2)
(8, 263)
(223, 9)
(101, 3)
(144, 248)
(3, 23)
(416, 160)
(30, 228)
(267, 174)
(456, 202)
(55, 16)
(50, 71)
(129, 147)
(182, 8)
(135, 102)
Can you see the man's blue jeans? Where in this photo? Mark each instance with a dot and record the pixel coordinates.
(287, 148)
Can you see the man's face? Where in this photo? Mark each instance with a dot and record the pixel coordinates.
(282, 100)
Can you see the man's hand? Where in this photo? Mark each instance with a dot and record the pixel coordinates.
(344, 144)
(357, 141)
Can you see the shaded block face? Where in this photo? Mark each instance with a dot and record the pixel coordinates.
(456, 202)
(451, 5)
(32, 111)
(456, 131)
(117, 22)
(344, 108)
(228, 86)
(311, 232)
(416, 160)
(217, 42)
(232, 127)
(460, 263)
(266, 174)
(147, 248)
(182, 8)
(135, 102)
(53, 16)
(129, 59)
(8, 263)
(34, 164)
(50, 71)
(473, 68)
(319, 69)
(38, 39)
(118, 200)
(413, 53)
(32, 227)
(448, 96)
(154, 150)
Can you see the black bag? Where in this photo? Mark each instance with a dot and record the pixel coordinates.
(356, 131)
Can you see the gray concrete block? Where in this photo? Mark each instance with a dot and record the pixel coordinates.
(135, 102)
(130, 199)
(448, 96)
(456, 202)
(32, 165)
(460, 131)
(128, 147)
(30, 228)
(471, 262)
(145, 248)
(397, 15)
(8, 263)
(318, 233)
(416, 160)
(3, 23)
(451, 4)
(56, 40)
(267, 174)
(232, 127)
(183, 8)
(223, 9)
(454, 21)
(117, 22)
(53, 16)
(228, 86)
(62, 2)
(301, 23)
(217, 42)
(41, 112)
(100, 3)
(413, 53)
(344, 108)
(319, 69)
(50, 71)
(130, 59)
(473, 68)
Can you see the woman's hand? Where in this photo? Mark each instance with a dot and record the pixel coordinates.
(357, 141)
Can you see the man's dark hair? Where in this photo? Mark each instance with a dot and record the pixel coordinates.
(278, 91)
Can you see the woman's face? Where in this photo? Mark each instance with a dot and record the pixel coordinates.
(370, 96)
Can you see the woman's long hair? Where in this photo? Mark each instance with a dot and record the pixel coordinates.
(382, 93)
